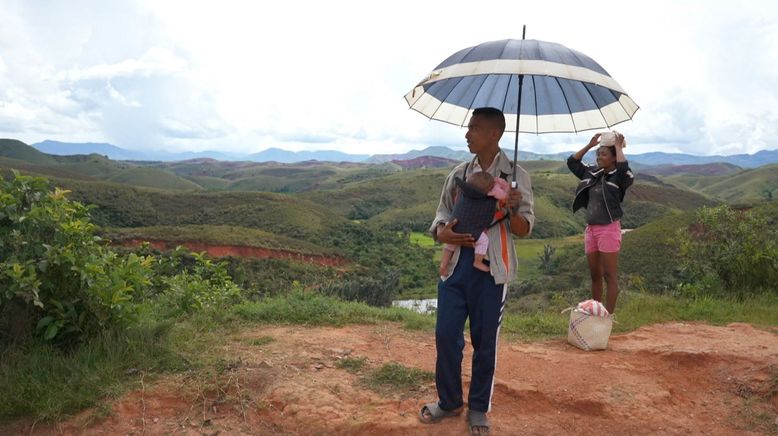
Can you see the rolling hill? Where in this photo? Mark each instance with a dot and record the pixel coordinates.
(746, 186)
(712, 169)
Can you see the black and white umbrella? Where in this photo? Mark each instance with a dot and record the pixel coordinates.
(558, 89)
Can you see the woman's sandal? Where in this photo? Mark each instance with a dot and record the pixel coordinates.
(478, 423)
(431, 413)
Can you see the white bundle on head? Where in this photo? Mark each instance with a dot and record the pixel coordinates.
(608, 139)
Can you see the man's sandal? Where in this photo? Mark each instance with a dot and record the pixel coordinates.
(478, 423)
(431, 413)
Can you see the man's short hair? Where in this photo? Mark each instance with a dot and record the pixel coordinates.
(492, 114)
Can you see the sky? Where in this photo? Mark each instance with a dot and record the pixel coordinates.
(244, 76)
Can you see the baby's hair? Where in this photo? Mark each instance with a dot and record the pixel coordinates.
(482, 180)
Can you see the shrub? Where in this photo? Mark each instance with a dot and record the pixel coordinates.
(730, 251)
(205, 285)
(55, 269)
(375, 291)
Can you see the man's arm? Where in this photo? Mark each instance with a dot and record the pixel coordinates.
(446, 235)
(442, 226)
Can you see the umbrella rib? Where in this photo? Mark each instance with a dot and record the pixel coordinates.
(507, 88)
(599, 109)
(446, 97)
(572, 120)
(470, 107)
(535, 94)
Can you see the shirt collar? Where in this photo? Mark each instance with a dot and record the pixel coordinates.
(500, 164)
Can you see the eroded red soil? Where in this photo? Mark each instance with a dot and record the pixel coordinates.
(664, 379)
(237, 251)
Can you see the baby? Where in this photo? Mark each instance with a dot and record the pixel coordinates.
(493, 187)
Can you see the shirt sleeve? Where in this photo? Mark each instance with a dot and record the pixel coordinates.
(576, 167)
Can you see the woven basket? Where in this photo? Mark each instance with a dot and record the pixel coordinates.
(589, 332)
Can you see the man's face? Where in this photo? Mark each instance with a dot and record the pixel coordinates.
(481, 134)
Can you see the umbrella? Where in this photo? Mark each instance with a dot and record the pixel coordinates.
(558, 89)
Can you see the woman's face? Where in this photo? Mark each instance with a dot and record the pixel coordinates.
(605, 157)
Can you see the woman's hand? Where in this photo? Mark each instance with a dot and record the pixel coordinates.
(620, 143)
(594, 141)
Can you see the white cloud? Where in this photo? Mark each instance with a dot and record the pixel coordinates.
(241, 76)
(155, 61)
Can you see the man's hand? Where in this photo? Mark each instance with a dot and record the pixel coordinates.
(514, 199)
(447, 235)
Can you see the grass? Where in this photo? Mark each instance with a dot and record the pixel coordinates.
(635, 309)
(46, 383)
(309, 308)
(352, 364)
(260, 341)
(528, 252)
(394, 377)
(422, 239)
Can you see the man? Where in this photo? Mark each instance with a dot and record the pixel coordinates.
(466, 292)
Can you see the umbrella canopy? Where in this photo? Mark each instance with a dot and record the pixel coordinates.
(557, 89)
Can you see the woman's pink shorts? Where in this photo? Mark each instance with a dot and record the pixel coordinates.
(603, 237)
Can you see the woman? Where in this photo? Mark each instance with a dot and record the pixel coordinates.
(601, 192)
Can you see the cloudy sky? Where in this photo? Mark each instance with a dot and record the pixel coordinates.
(312, 75)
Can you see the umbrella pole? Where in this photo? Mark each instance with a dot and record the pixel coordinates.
(514, 184)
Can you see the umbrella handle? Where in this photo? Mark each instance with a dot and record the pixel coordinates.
(514, 184)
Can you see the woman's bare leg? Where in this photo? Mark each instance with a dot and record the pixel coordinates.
(610, 265)
(596, 271)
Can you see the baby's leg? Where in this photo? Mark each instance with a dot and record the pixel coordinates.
(480, 252)
(445, 258)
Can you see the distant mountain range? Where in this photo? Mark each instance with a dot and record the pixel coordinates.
(117, 153)
(284, 156)
(760, 158)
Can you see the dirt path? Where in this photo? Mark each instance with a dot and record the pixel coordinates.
(665, 379)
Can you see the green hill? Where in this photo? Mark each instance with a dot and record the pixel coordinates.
(746, 186)
(710, 169)
(126, 206)
(18, 150)
(93, 165)
(151, 178)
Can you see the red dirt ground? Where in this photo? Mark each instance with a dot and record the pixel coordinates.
(674, 378)
(237, 251)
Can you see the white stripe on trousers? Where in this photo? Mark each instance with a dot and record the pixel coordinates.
(496, 343)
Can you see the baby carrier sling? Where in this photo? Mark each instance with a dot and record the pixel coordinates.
(474, 209)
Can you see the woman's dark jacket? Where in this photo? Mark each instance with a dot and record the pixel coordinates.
(615, 184)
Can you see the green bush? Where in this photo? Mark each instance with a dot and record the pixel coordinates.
(375, 291)
(728, 251)
(184, 282)
(55, 269)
